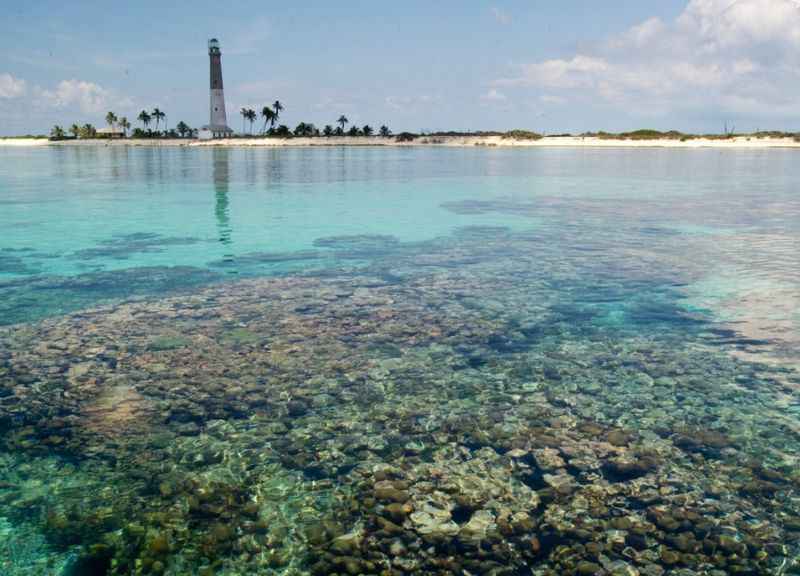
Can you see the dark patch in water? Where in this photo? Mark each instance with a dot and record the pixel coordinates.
(503, 344)
(478, 232)
(745, 342)
(461, 514)
(358, 242)
(661, 313)
(360, 246)
(88, 566)
(122, 247)
(10, 264)
(256, 258)
(658, 231)
(28, 299)
(386, 350)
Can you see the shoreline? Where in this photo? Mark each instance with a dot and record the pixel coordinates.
(738, 142)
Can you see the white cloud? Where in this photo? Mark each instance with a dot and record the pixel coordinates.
(11, 87)
(735, 55)
(89, 97)
(578, 71)
(642, 33)
(722, 23)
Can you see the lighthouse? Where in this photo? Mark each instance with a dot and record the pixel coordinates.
(218, 122)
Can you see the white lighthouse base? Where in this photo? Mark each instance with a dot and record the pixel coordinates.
(214, 132)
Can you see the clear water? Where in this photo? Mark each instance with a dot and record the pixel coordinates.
(410, 360)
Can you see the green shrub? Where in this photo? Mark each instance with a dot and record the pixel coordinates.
(25, 137)
(521, 135)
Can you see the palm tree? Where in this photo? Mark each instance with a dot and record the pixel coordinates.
(158, 115)
(243, 112)
(268, 115)
(183, 128)
(327, 131)
(57, 133)
(88, 131)
(307, 130)
(342, 121)
(144, 118)
(385, 132)
(251, 117)
(111, 119)
(125, 125)
(367, 130)
(277, 107)
(75, 130)
(354, 131)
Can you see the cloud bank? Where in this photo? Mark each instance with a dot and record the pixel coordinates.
(738, 57)
(88, 97)
(23, 104)
(11, 87)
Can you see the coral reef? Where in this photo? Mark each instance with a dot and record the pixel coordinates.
(470, 405)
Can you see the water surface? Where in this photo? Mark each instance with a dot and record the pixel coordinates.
(410, 360)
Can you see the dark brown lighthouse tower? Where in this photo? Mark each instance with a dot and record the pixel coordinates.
(218, 123)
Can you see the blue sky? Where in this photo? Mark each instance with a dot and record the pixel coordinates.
(569, 66)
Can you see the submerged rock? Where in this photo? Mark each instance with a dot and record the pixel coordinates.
(431, 520)
(462, 408)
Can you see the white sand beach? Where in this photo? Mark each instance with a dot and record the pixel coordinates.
(738, 142)
(24, 141)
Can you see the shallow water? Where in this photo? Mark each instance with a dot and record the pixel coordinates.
(397, 361)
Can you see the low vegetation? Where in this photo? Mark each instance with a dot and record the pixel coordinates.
(648, 134)
(25, 137)
(119, 127)
(521, 135)
(640, 135)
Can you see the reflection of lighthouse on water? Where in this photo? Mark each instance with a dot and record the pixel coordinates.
(221, 206)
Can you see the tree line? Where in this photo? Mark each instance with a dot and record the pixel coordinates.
(269, 114)
(181, 130)
(88, 131)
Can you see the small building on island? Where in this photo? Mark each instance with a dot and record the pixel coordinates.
(218, 122)
(110, 132)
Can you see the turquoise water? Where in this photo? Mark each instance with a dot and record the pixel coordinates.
(399, 361)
